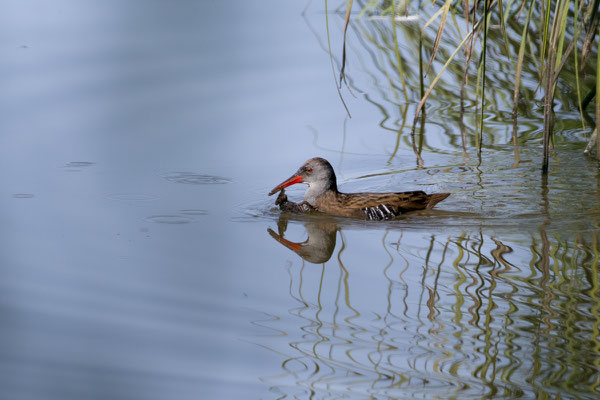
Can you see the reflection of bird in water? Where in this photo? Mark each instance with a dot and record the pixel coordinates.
(320, 244)
(322, 195)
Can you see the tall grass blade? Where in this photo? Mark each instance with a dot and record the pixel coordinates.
(433, 18)
(331, 60)
(455, 22)
(546, 29)
(520, 59)
(417, 151)
(561, 34)
(466, 12)
(549, 71)
(597, 101)
(550, 45)
(478, 123)
(572, 46)
(346, 22)
(439, 75)
(484, 49)
(507, 8)
(592, 15)
(438, 37)
(421, 74)
(575, 59)
(503, 27)
(420, 161)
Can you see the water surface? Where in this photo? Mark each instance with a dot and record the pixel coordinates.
(142, 258)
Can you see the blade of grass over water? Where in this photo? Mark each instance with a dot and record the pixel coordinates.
(549, 69)
(549, 43)
(484, 51)
(420, 161)
(331, 60)
(597, 101)
(520, 58)
(433, 18)
(591, 15)
(438, 37)
(439, 75)
(503, 27)
(455, 22)
(346, 22)
(421, 74)
(545, 25)
(466, 13)
(572, 46)
(561, 33)
(575, 60)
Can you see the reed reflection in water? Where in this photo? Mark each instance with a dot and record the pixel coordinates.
(452, 315)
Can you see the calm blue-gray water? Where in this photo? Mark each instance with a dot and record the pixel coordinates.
(140, 252)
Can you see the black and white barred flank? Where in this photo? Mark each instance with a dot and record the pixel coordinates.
(380, 212)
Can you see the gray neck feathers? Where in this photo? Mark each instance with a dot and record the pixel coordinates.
(315, 189)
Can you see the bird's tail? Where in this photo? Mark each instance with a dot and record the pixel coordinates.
(436, 198)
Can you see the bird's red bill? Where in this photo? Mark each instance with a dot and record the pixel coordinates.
(294, 179)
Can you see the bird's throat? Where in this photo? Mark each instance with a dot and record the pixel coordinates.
(315, 189)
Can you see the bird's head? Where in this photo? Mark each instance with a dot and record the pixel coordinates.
(314, 172)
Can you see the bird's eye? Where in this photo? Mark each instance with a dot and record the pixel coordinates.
(308, 169)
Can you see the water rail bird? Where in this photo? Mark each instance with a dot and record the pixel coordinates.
(323, 195)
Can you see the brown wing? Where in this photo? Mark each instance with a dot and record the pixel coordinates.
(380, 206)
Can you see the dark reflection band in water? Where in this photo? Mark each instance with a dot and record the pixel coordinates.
(455, 314)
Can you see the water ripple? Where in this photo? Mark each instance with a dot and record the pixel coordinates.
(193, 178)
(77, 166)
(132, 197)
(170, 219)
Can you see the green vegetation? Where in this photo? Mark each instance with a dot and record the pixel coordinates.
(548, 44)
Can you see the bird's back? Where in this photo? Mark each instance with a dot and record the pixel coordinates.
(377, 206)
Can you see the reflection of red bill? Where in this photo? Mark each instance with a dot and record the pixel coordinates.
(290, 245)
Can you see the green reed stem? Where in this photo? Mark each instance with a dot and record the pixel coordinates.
(575, 58)
(485, 25)
(331, 60)
(598, 97)
(520, 58)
